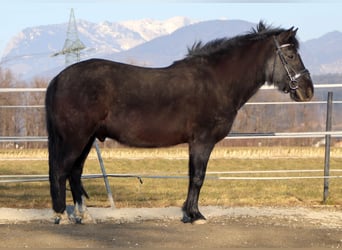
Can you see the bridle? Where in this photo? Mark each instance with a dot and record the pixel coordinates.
(293, 83)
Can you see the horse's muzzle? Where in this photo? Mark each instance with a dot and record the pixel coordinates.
(302, 95)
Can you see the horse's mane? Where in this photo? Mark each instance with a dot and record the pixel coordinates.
(224, 45)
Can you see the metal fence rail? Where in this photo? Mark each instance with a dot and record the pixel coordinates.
(140, 177)
(270, 135)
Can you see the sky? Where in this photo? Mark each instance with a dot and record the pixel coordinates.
(313, 18)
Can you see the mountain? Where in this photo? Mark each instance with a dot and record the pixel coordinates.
(29, 52)
(105, 36)
(145, 42)
(163, 50)
(324, 54)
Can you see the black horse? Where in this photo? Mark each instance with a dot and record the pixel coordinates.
(194, 101)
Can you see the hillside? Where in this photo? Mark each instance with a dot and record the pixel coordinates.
(146, 42)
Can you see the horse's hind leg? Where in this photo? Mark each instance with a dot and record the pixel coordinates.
(77, 194)
(57, 191)
(77, 190)
(63, 156)
(60, 163)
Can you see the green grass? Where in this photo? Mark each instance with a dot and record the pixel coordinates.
(128, 192)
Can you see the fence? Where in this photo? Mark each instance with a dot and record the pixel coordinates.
(327, 134)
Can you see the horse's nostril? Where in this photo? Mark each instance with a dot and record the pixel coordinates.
(310, 93)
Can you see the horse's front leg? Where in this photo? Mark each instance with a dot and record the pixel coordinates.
(199, 154)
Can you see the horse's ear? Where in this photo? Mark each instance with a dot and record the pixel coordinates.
(286, 35)
(294, 31)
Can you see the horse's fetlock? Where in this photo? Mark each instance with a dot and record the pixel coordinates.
(61, 218)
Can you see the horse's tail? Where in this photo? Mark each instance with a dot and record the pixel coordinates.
(53, 135)
(54, 138)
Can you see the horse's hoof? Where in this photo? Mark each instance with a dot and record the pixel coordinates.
(61, 219)
(186, 219)
(84, 218)
(57, 220)
(199, 222)
(78, 220)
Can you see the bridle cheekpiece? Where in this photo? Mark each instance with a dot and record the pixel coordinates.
(293, 83)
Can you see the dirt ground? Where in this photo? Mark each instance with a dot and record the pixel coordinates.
(161, 227)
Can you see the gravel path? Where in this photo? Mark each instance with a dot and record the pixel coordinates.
(161, 227)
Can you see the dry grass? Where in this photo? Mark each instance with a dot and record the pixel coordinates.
(128, 192)
(181, 152)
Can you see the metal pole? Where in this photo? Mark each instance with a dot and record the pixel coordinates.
(327, 148)
(105, 177)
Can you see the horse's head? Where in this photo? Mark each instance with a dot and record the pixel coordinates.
(286, 69)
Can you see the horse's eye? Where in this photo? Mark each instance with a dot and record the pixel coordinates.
(291, 57)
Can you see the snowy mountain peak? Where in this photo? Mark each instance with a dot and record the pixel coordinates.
(150, 28)
(105, 36)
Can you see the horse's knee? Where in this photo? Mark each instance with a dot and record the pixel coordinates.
(198, 181)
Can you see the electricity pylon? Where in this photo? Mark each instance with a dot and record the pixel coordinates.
(72, 45)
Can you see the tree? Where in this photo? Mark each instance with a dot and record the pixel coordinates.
(16, 119)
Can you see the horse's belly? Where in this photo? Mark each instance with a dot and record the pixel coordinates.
(152, 138)
(149, 133)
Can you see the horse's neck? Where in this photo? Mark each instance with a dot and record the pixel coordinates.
(247, 75)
